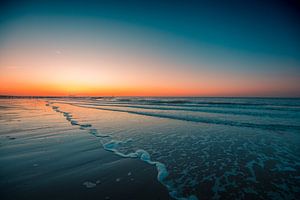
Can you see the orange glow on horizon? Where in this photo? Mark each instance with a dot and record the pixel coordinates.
(42, 72)
(22, 89)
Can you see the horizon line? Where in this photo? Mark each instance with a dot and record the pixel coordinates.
(166, 96)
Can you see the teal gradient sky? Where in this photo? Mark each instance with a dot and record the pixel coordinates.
(205, 48)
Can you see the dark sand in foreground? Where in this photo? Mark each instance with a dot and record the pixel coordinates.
(43, 157)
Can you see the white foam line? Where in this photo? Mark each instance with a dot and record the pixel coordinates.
(145, 156)
(162, 172)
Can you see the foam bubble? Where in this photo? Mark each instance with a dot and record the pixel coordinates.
(89, 184)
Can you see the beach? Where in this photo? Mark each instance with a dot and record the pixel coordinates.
(149, 148)
(149, 100)
(43, 156)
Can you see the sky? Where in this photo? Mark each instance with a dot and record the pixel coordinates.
(155, 48)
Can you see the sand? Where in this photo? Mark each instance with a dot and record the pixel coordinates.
(43, 157)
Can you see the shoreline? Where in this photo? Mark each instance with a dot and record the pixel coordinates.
(70, 164)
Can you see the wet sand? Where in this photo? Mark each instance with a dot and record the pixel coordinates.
(43, 157)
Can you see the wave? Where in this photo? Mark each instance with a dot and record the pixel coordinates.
(267, 107)
(275, 127)
(216, 101)
(112, 146)
(197, 109)
(289, 106)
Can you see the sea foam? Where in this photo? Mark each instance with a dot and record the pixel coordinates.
(141, 154)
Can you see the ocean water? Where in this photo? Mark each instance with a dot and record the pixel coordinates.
(202, 148)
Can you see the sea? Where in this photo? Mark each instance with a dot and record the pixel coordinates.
(200, 148)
